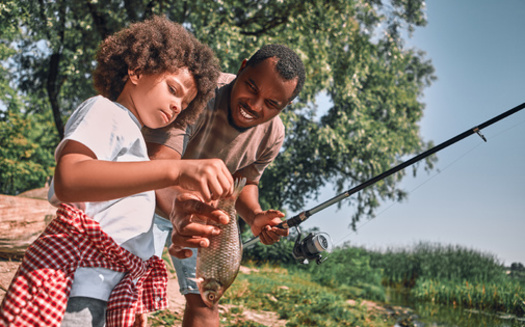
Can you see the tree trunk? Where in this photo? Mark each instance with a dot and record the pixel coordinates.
(22, 221)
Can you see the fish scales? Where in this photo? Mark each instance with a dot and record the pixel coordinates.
(218, 264)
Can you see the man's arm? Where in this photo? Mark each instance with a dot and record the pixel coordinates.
(261, 222)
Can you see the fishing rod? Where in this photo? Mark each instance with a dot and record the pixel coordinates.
(312, 245)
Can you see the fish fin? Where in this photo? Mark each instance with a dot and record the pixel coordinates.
(238, 186)
(196, 280)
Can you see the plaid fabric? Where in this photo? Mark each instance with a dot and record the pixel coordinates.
(39, 291)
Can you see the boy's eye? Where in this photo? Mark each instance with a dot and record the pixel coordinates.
(173, 90)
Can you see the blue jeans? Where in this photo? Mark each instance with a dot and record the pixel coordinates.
(185, 268)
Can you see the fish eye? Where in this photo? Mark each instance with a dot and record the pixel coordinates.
(211, 296)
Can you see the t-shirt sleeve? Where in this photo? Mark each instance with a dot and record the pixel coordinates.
(101, 126)
(172, 137)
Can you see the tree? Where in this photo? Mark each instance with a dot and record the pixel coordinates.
(353, 51)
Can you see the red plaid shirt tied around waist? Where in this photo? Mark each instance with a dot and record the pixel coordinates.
(40, 289)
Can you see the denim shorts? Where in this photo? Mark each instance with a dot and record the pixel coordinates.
(185, 268)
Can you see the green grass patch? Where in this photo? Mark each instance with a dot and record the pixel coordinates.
(298, 299)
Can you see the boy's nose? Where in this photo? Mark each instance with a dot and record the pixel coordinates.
(176, 107)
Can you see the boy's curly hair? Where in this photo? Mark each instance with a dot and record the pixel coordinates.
(154, 46)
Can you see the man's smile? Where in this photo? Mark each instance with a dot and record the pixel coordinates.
(246, 113)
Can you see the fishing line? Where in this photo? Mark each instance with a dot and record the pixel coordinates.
(438, 172)
(310, 247)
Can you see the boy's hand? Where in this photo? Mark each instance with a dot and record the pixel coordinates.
(210, 177)
(188, 217)
(264, 226)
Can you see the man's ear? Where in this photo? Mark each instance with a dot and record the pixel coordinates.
(133, 76)
(243, 65)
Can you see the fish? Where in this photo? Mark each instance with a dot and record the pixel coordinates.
(219, 263)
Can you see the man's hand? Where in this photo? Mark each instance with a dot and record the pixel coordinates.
(264, 223)
(189, 217)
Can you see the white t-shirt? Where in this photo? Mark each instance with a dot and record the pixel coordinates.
(113, 133)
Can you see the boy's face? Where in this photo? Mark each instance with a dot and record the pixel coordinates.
(157, 99)
(259, 94)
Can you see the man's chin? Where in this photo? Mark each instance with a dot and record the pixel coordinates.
(235, 125)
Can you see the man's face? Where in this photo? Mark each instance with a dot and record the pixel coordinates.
(259, 94)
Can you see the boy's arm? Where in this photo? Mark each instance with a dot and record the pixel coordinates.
(81, 177)
(261, 222)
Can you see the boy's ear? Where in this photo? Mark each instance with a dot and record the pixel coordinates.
(133, 76)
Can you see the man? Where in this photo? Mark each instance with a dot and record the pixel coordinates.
(241, 126)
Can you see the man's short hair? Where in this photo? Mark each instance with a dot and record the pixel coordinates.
(289, 65)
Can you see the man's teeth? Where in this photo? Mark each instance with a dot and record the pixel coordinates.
(246, 114)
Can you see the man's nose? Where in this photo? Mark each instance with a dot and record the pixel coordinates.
(256, 104)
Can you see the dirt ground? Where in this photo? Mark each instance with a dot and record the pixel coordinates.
(176, 300)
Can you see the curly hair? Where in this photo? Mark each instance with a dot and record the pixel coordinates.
(155, 46)
(289, 65)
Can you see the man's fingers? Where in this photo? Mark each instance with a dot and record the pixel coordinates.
(180, 253)
(274, 213)
(201, 209)
(270, 235)
(280, 231)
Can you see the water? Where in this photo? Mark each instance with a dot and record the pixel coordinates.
(432, 315)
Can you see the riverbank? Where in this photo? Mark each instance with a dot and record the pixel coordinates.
(176, 301)
(241, 313)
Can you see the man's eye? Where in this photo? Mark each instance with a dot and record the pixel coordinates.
(252, 87)
(274, 105)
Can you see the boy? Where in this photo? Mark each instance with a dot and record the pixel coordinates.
(147, 74)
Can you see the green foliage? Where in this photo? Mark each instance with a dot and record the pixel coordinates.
(452, 275)
(352, 51)
(503, 296)
(278, 253)
(348, 269)
(26, 157)
(435, 261)
(517, 272)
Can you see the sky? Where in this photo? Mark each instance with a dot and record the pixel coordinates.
(475, 198)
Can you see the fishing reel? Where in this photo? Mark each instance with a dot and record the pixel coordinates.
(311, 246)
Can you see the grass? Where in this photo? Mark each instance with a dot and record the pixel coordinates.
(506, 296)
(452, 275)
(298, 299)
(295, 297)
